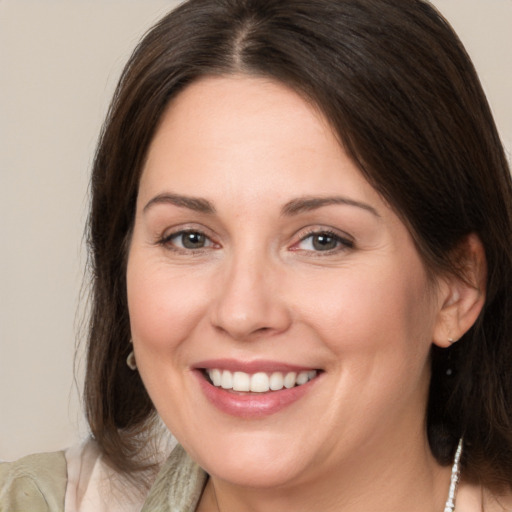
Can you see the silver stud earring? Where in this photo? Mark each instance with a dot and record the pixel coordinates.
(130, 360)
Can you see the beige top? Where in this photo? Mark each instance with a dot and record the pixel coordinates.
(36, 483)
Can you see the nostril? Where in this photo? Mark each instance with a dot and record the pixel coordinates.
(243, 330)
(249, 314)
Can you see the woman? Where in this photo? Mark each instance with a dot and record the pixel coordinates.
(300, 240)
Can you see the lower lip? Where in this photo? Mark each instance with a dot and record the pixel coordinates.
(252, 405)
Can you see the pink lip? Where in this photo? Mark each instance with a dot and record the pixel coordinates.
(251, 366)
(251, 405)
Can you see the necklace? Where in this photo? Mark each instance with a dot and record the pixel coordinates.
(452, 492)
(454, 482)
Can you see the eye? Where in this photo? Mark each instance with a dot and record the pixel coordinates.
(323, 241)
(188, 240)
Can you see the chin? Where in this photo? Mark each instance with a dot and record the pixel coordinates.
(245, 473)
(255, 461)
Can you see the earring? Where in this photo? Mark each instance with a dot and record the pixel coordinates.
(130, 360)
(449, 369)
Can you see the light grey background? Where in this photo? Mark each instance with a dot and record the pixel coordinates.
(59, 61)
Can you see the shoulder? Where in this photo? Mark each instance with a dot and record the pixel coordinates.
(36, 483)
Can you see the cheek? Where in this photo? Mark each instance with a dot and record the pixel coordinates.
(377, 327)
(372, 309)
(163, 305)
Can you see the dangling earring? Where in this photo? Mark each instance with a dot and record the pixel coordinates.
(130, 360)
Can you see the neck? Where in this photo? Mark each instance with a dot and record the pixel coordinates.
(389, 477)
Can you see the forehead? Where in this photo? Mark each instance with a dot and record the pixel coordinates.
(226, 129)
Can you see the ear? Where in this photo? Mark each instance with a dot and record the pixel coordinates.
(461, 298)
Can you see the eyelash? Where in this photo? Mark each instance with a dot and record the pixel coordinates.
(343, 243)
(166, 241)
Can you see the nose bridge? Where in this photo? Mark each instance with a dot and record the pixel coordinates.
(248, 302)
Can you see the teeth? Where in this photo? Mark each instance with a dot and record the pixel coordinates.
(216, 376)
(302, 378)
(290, 379)
(226, 381)
(241, 381)
(276, 381)
(260, 382)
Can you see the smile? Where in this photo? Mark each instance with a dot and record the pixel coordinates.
(254, 389)
(259, 382)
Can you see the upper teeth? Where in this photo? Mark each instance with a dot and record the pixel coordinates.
(258, 382)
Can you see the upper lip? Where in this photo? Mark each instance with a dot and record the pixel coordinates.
(251, 367)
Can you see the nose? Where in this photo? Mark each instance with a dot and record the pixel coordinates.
(250, 302)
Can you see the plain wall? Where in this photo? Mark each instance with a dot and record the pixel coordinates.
(59, 62)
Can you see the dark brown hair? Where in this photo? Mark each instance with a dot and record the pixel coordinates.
(400, 91)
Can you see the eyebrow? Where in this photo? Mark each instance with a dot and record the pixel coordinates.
(306, 204)
(293, 207)
(192, 203)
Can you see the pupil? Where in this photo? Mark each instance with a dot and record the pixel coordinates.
(324, 242)
(193, 240)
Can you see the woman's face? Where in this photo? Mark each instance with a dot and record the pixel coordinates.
(262, 259)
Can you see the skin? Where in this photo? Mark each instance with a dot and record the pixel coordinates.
(363, 312)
